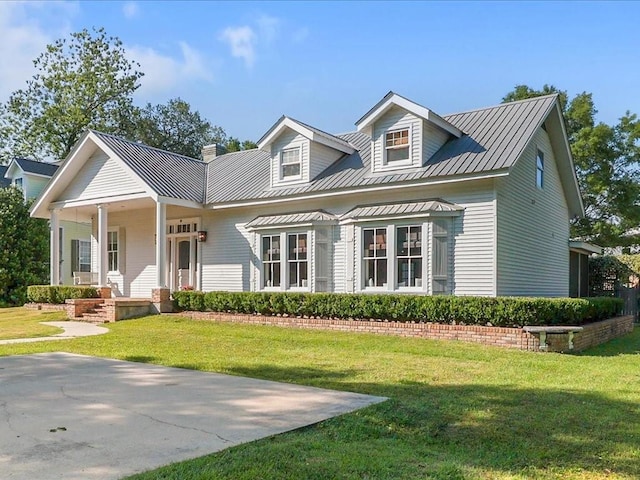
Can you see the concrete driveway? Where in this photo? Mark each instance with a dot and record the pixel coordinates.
(78, 417)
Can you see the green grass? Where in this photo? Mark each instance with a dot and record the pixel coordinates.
(23, 323)
(456, 411)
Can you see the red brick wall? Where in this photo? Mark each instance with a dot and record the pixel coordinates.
(593, 334)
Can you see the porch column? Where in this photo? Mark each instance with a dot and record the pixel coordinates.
(161, 245)
(103, 266)
(54, 256)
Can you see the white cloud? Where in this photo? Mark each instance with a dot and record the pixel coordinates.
(23, 37)
(242, 41)
(268, 27)
(130, 10)
(162, 72)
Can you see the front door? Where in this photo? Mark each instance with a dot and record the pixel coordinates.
(183, 271)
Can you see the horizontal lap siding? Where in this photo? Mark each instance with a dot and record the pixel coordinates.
(100, 175)
(474, 240)
(227, 254)
(432, 140)
(139, 276)
(533, 227)
(321, 158)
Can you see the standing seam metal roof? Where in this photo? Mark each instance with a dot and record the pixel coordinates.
(494, 140)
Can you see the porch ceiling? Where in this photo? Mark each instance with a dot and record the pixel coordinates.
(85, 212)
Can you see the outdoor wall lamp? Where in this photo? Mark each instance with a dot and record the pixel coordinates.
(202, 235)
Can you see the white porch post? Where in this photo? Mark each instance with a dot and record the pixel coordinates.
(103, 266)
(161, 244)
(54, 256)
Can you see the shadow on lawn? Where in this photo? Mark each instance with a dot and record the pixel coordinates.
(444, 431)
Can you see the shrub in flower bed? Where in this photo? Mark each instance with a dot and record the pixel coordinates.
(499, 312)
(59, 293)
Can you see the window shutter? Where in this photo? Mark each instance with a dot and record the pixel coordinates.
(350, 258)
(75, 256)
(122, 251)
(322, 260)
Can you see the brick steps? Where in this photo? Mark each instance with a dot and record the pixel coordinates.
(98, 314)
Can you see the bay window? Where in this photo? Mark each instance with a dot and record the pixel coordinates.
(271, 261)
(374, 256)
(297, 260)
(409, 256)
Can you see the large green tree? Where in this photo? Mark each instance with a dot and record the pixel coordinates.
(82, 82)
(175, 127)
(24, 248)
(606, 158)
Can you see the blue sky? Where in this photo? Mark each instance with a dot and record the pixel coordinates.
(243, 64)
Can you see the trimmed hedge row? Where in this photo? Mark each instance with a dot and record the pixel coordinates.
(58, 293)
(499, 312)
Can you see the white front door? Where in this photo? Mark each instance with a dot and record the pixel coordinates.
(183, 263)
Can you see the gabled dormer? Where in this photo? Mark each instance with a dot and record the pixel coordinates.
(403, 134)
(299, 152)
(29, 176)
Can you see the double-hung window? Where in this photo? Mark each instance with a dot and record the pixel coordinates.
(409, 256)
(112, 250)
(271, 261)
(375, 256)
(297, 260)
(290, 166)
(397, 146)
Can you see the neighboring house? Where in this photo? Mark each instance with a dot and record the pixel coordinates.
(474, 203)
(73, 237)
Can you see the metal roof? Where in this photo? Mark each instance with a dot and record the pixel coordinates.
(168, 174)
(399, 209)
(299, 218)
(494, 139)
(37, 168)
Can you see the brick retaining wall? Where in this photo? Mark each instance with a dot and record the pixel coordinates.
(593, 334)
(47, 307)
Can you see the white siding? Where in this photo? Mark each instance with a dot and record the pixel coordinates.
(289, 139)
(321, 158)
(72, 231)
(227, 255)
(533, 227)
(33, 185)
(433, 139)
(99, 175)
(396, 118)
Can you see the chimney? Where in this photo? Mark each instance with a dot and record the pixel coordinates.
(209, 152)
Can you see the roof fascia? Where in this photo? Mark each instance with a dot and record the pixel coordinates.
(286, 122)
(584, 247)
(418, 110)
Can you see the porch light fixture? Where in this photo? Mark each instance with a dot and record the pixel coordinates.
(202, 235)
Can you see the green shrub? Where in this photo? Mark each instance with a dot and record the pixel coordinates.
(499, 312)
(59, 293)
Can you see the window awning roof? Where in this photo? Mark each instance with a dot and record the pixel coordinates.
(423, 208)
(299, 219)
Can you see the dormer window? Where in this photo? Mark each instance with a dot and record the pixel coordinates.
(290, 164)
(397, 146)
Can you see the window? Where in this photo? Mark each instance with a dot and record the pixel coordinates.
(375, 256)
(409, 256)
(297, 259)
(440, 268)
(397, 146)
(112, 251)
(540, 169)
(290, 163)
(271, 260)
(18, 183)
(80, 256)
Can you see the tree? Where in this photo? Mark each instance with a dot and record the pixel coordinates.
(606, 159)
(24, 248)
(173, 127)
(83, 82)
(235, 145)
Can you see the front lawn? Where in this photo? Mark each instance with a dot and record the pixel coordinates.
(23, 323)
(456, 411)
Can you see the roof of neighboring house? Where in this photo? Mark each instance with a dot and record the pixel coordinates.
(37, 168)
(4, 182)
(168, 174)
(495, 138)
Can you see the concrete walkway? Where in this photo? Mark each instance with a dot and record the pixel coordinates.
(72, 417)
(71, 330)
